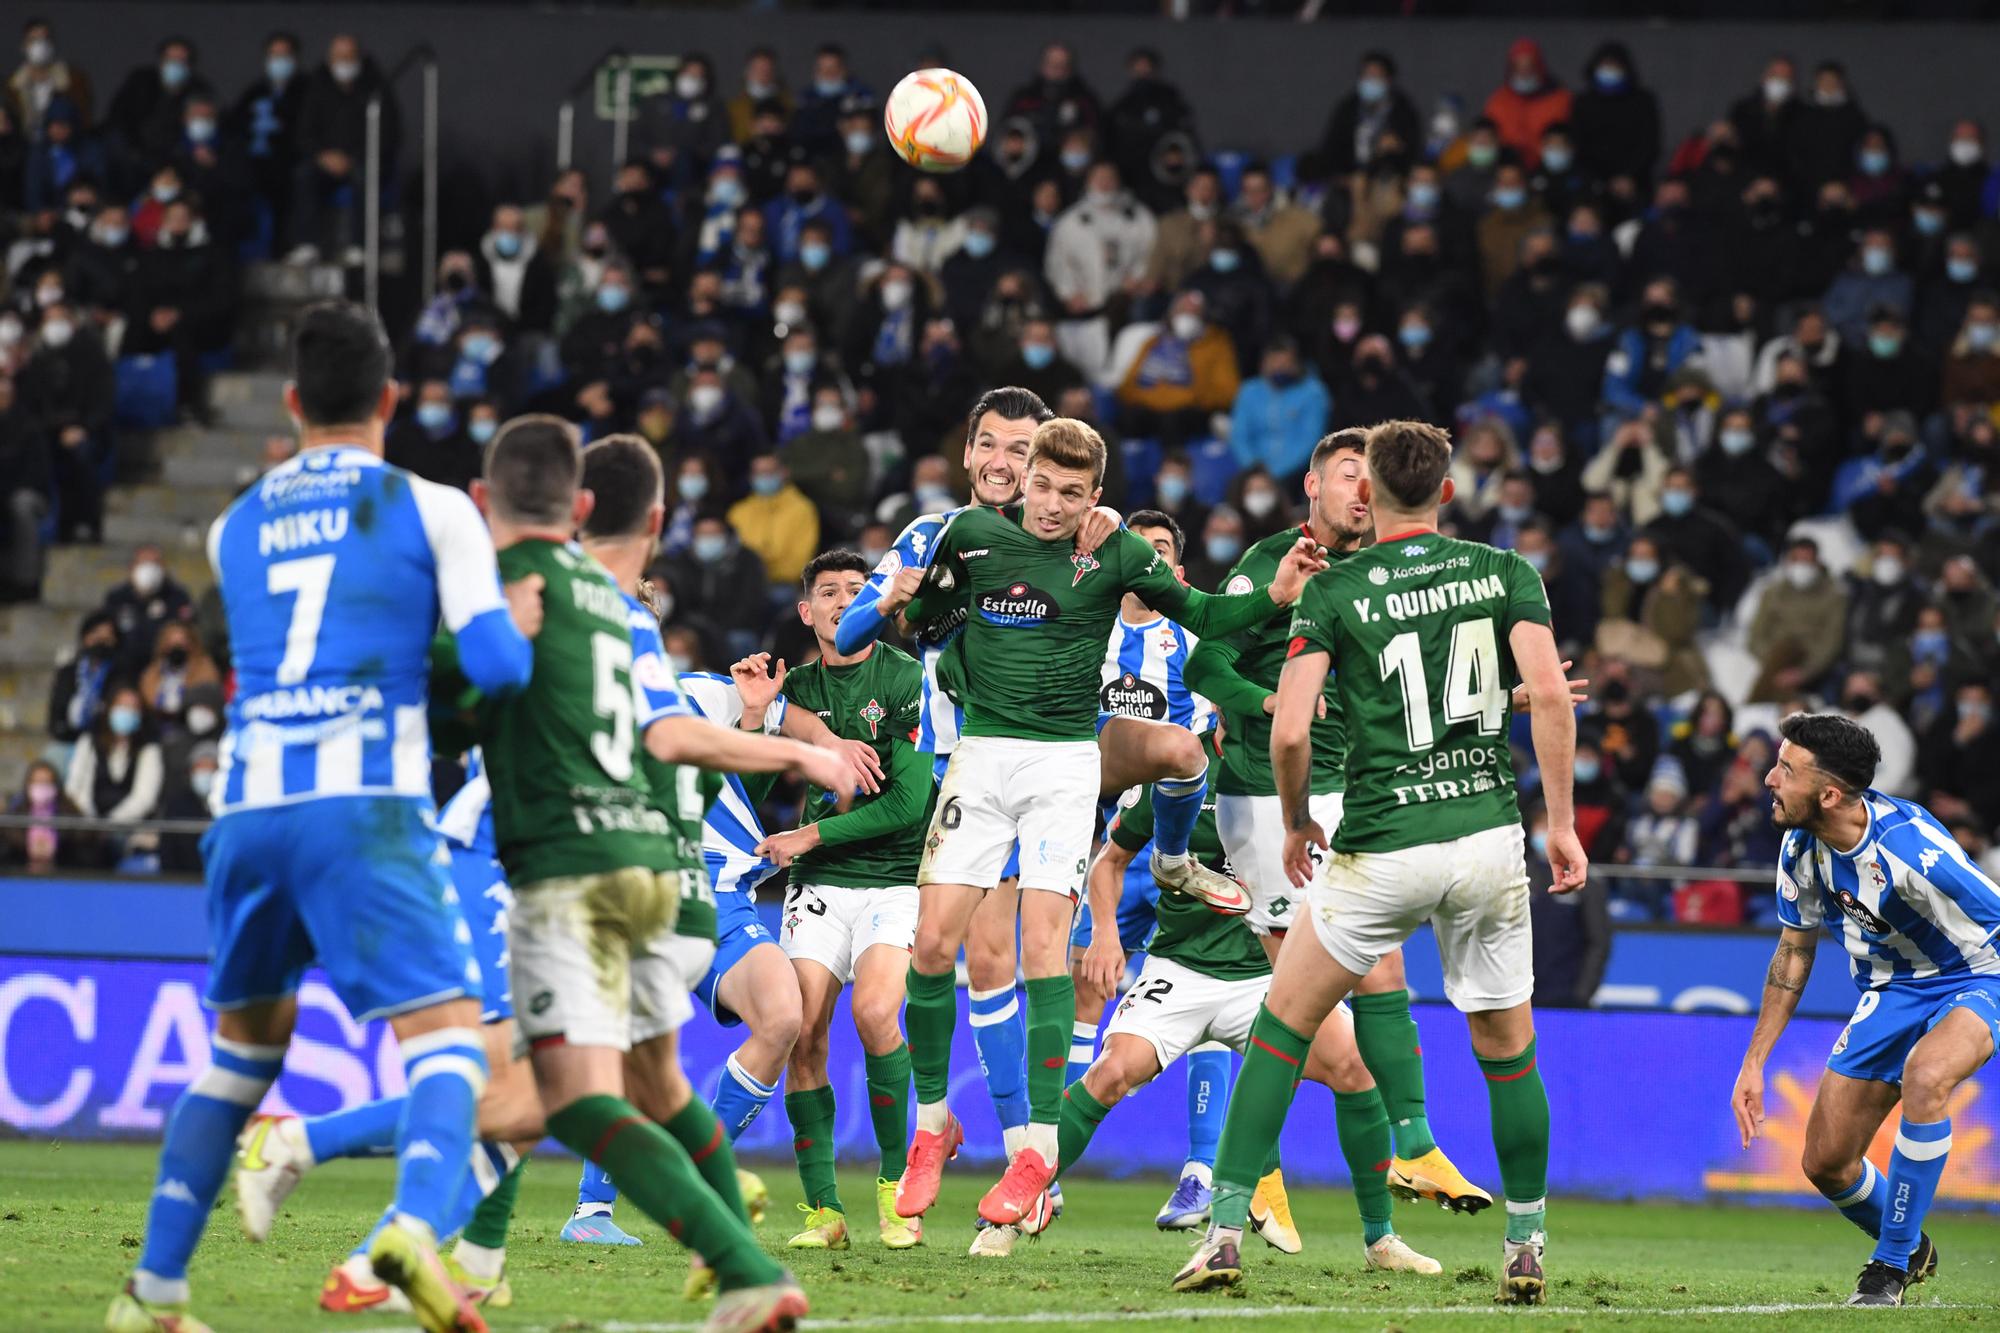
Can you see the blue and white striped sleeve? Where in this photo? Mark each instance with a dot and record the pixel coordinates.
(863, 622)
(714, 697)
(1799, 904)
(1945, 866)
(492, 652)
(654, 686)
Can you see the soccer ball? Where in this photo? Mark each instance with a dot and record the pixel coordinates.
(935, 119)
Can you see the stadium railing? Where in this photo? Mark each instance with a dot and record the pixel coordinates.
(621, 108)
(419, 56)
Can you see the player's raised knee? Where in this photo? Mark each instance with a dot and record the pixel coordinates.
(1927, 1087)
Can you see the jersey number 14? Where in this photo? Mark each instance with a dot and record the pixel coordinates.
(1472, 689)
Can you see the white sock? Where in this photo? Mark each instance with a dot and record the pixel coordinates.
(1166, 862)
(933, 1117)
(1042, 1138)
(159, 1290)
(591, 1210)
(1014, 1138)
(417, 1227)
(1200, 1171)
(482, 1263)
(1229, 1235)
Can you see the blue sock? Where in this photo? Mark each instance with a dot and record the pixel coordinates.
(1082, 1050)
(367, 1130)
(1861, 1202)
(1914, 1171)
(1209, 1069)
(739, 1099)
(446, 1071)
(595, 1190)
(194, 1160)
(488, 1166)
(1003, 1052)
(1176, 805)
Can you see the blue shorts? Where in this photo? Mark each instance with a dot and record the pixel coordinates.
(1891, 1020)
(356, 883)
(1012, 870)
(738, 930)
(485, 899)
(1135, 911)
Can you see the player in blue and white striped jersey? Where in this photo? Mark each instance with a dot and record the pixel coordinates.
(1921, 927)
(335, 570)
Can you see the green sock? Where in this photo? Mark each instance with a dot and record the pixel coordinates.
(1081, 1115)
(931, 1018)
(653, 1171)
(889, 1108)
(1520, 1106)
(1394, 1054)
(1257, 1109)
(495, 1213)
(811, 1114)
(695, 1128)
(1363, 1126)
(1051, 1013)
(1273, 1160)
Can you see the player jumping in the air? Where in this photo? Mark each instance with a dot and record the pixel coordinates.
(1204, 978)
(599, 873)
(851, 910)
(1421, 633)
(1921, 926)
(1039, 614)
(335, 571)
(1240, 673)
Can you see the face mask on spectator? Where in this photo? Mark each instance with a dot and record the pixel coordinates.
(201, 782)
(826, 417)
(1347, 328)
(173, 74)
(1222, 548)
(1515, 513)
(482, 348)
(201, 130)
(799, 363)
(689, 86)
(933, 499)
(681, 662)
(1423, 195)
(1537, 560)
(1966, 152)
(1609, 77)
(1885, 345)
(1874, 161)
(124, 720)
(859, 142)
(110, 237)
(1539, 840)
(1677, 503)
(1171, 488)
(147, 577)
(1224, 261)
(1582, 321)
(979, 244)
(1371, 89)
(1971, 710)
(1980, 336)
(612, 299)
(1801, 573)
(710, 547)
(726, 190)
(770, 483)
(1929, 221)
(1482, 155)
(1260, 501)
(705, 398)
(814, 255)
(1777, 90)
(1509, 197)
(1526, 85)
(482, 429)
(279, 69)
(1876, 260)
(41, 51)
(895, 295)
(1886, 571)
(346, 71)
(56, 332)
(1929, 643)
(506, 244)
(691, 485)
(1557, 158)
(201, 719)
(1641, 570)
(1074, 160)
(1594, 533)
(1038, 356)
(1736, 441)
(166, 192)
(1587, 768)
(434, 417)
(11, 330)
(1186, 327)
(1961, 270)
(1416, 337)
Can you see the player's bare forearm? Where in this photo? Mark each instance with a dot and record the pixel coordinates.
(1299, 688)
(1552, 720)
(1107, 881)
(1784, 986)
(693, 740)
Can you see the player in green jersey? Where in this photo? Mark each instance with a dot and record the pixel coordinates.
(1431, 830)
(598, 872)
(1240, 674)
(851, 910)
(1027, 770)
(1204, 978)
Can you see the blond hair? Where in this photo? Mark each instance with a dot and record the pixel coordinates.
(1065, 442)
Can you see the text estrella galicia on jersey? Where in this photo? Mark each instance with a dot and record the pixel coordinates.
(1017, 605)
(1859, 913)
(1130, 696)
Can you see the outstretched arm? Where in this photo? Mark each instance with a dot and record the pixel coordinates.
(697, 741)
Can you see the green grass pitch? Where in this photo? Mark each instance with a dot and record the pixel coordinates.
(71, 1217)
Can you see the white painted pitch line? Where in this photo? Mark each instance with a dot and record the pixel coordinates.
(1208, 1310)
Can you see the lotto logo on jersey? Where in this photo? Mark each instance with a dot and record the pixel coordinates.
(1085, 563)
(1018, 605)
(1129, 696)
(873, 715)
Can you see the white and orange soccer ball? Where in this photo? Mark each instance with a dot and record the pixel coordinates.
(935, 119)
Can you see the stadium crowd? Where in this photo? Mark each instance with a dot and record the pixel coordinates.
(1730, 387)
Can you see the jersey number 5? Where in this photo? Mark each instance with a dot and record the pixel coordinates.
(1472, 690)
(611, 698)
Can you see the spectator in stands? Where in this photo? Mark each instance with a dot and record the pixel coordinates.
(815, 126)
(1600, 799)
(1660, 833)
(149, 598)
(187, 798)
(183, 303)
(26, 482)
(432, 440)
(333, 119)
(1429, 363)
(1790, 636)
(1658, 343)
(1736, 828)
(806, 201)
(1742, 485)
(1222, 542)
(1692, 534)
(1173, 495)
(1880, 188)
(515, 275)
(1056, 100)
(1183, 375)
(1377, 390)
(1511, 213)
(641, 228)
(1948, 289)
(179, 666)
(1886, 488)
(1972, 366)
(1704, 743)
(776, 521)
(1149, 120)
(41, 78)
(831, 282)
(1764, 117)
(64, 156)
(1961, 506)
(829, 465)
(1651, 608)
(1882, 602)
(1375, 106)
(1256, 495)
(81, 686)
(1861, 699)
(1236, 292)
(862, 175)
(719, 425)
(763, 81)
(1920, 668)
(1486, 453)
(115, 772)
(681, 129)
(1528, 101)
(1097, 256)
(1572, 591)
(144, 117)
(1616, 120)
(720, 581)
(1572, 931)
(788, 383)
(1279, 415)
(1596, 541)
(1956, 759)
(41, 848)
(265, 121)
(67, 390)
(1281, 233)
(1566, 364)
(885, 338)
(1828, 128)
(1871, 283)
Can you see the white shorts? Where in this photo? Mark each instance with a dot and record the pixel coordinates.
(1176, 1009)
(834, 924)
(595, 959)
(998, 790)
(1474, 892)
(1253, 834)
